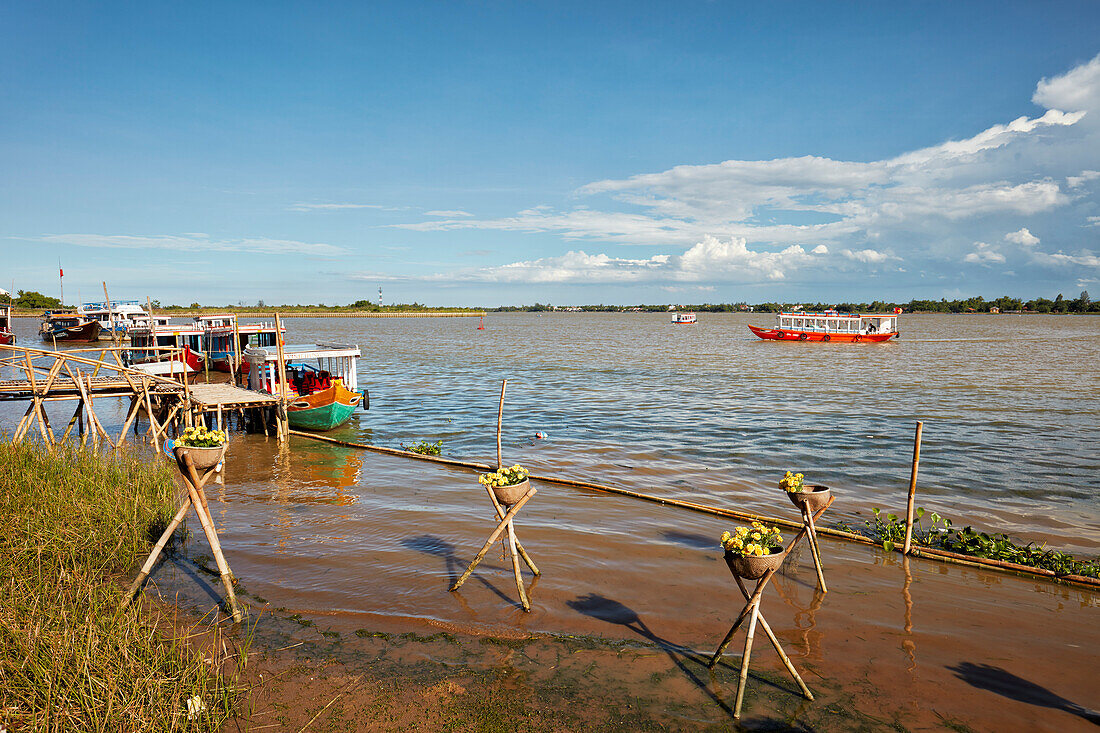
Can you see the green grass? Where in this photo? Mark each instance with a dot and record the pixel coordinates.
(71, 523)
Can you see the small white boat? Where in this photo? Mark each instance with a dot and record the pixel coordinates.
(684, 318)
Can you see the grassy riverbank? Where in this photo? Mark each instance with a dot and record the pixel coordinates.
(70, 523)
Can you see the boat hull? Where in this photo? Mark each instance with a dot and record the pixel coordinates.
(323, 410)
(776, 334)
(7, 338)
(84, 332)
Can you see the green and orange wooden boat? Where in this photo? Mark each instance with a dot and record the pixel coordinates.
(324, 395)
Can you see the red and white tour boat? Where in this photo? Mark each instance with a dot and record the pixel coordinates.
(832, 326)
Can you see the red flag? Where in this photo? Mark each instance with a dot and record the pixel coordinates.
(61, 271)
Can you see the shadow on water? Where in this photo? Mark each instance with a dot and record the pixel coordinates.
(438, 547)
(432, 545)
(198, 575)
(1006, 684)
(690, 539)
(690, 663)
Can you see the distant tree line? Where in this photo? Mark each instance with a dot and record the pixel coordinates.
(1005, 304)
(33, 300)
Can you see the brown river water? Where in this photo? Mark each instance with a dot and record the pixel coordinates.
(706, 413)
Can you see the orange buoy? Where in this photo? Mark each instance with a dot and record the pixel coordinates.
(481, 324)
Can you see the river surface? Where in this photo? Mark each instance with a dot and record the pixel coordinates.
(706, 413)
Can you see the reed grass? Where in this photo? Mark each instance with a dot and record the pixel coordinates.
(71, 522)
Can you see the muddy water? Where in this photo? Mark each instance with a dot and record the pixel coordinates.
(1010, 405)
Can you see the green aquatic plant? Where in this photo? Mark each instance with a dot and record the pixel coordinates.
(424, 448)
(890, 531)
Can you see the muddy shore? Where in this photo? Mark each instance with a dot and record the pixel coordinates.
(895, 645)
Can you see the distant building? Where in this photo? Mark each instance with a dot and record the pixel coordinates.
(994, 309)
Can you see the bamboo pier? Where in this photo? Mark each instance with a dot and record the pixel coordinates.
(41, 377)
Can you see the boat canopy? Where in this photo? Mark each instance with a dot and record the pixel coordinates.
(339, 360)
(833, 322)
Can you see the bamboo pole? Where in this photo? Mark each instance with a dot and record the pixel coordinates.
(500, 420)
(158, 548)
(928, 552)
(284, 427)
(743, 676)
(778, 649)
(131, 416)
(912, 489)
(494, 536)
(515, 568)
(235, 361)
(500, 511)
(814, 549)
(194, 488)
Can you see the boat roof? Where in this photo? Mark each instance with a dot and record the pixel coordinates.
(835, 314)
(260, 354)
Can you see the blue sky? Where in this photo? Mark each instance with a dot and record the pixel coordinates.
(503, 153)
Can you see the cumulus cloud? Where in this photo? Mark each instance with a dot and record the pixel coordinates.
(1077, 89)
(865, 255)
(928, 204)
(1023, 237)
(196, 242)
(1081, 179)
(984, 254)
(710, 260)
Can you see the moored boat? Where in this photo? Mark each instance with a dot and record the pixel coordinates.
(323, 395)
(224, 339)
(152, 341)
(832, 326)
(115, 318)
(7, 335)
(67, 325)
(684, 318)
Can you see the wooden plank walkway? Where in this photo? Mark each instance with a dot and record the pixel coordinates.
(226, 396)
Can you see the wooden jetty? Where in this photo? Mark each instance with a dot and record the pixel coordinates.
(41, 377)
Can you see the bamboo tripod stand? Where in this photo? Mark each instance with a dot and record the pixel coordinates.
(807, 503)
(505, 513)
(196, 497)
(751, 613)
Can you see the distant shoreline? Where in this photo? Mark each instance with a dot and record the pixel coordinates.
(292, 313)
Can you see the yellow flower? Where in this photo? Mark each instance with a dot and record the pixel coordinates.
(758, 551)
(756, 535)
(767, 551)
(725, 537)
(779, 539)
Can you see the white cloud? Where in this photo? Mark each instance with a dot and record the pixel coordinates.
(196, 242)
(1093, 221)
(1083, 258)
(447, 214)
(1023, 237)
(929, 204)
(865, 255)
(708, 260)
(984, 254)
(339, 207)
(1077, 89)
(1081, 179)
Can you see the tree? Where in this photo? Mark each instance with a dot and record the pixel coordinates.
(34, 300)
